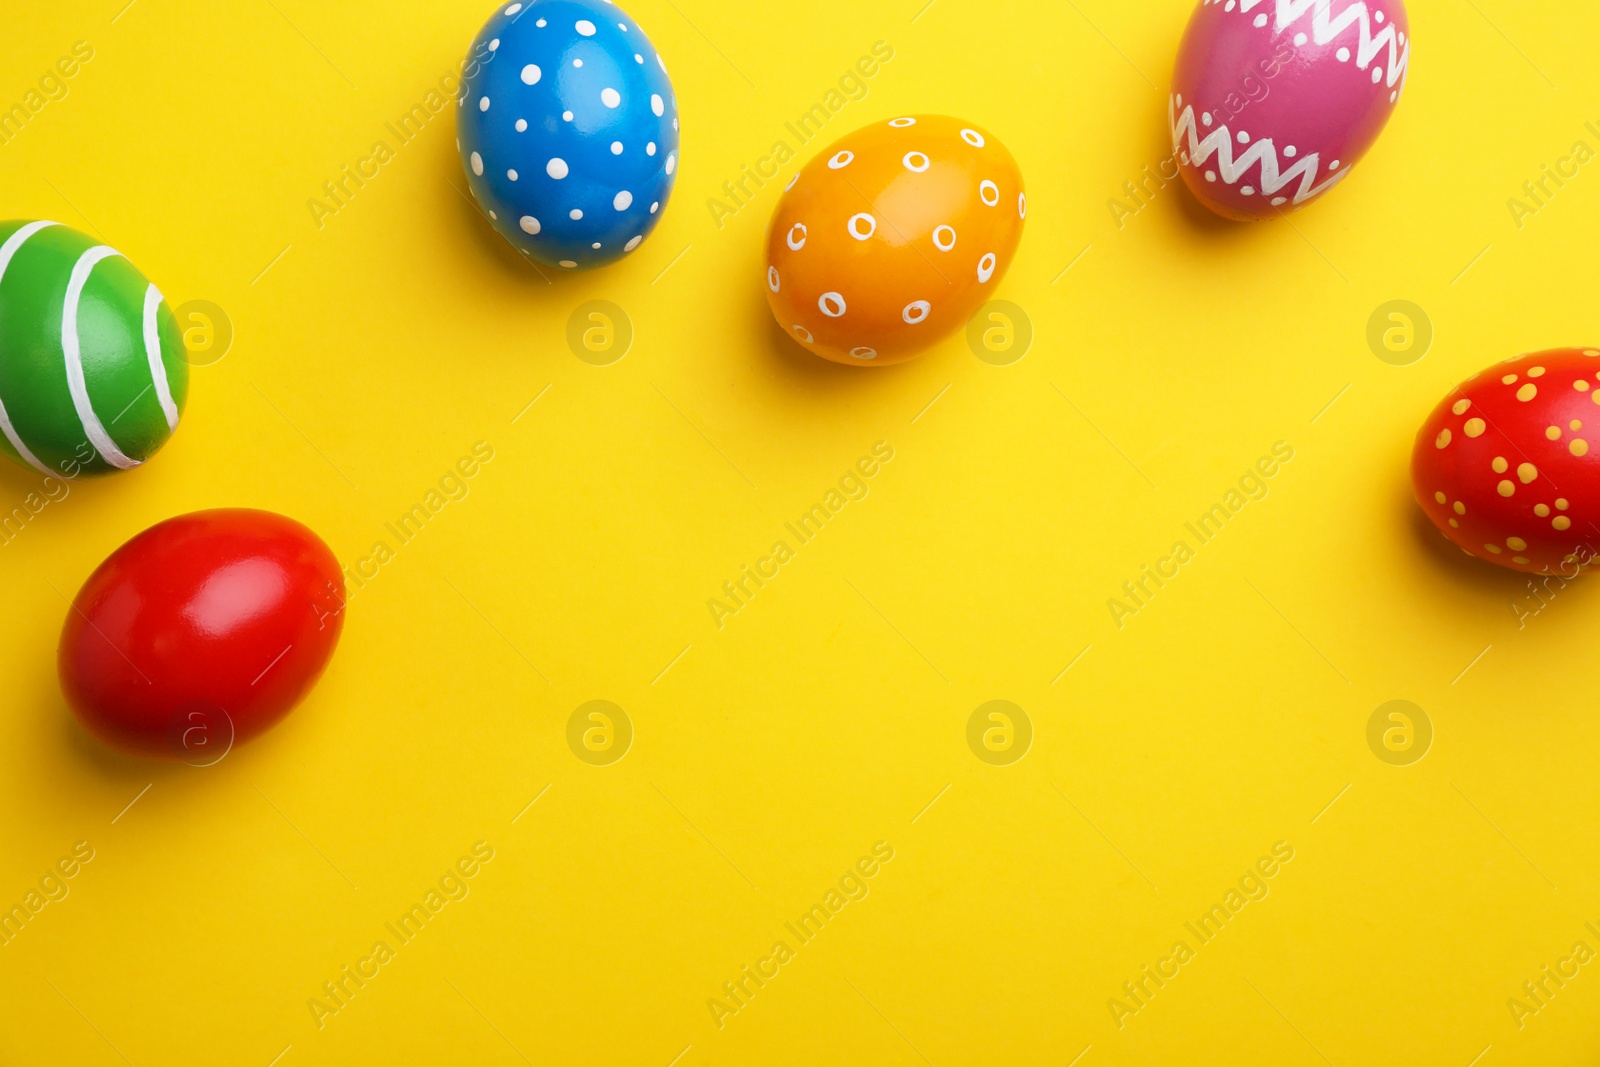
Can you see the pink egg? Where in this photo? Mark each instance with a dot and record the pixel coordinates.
(1273, 101)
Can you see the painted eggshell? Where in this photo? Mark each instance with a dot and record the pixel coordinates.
(1273, 101)
(204, 630)
(891, 238)
(1508, 465)
(568, 130)
(92, 369)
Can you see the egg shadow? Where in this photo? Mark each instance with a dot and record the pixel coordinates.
(795, 367)
(1478, 577)
(99, 760)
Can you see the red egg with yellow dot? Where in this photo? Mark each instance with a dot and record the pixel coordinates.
(892, 238)
(1508, 465)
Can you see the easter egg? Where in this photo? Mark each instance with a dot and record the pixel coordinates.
(1508, 465)
(204, 630)
(890, 239)
(1273, 101)
(568, 130)
(92, 371)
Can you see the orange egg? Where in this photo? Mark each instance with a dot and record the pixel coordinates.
(890, 239)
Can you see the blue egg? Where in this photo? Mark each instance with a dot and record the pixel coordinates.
(568, 130)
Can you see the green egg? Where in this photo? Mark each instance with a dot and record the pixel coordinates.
(92, 371)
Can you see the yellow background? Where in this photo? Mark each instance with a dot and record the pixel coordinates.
(770, 754)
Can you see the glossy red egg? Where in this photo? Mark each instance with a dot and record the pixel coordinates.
(201, 632)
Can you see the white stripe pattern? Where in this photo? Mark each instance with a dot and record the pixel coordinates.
(1186, 139)
(8, 251)
(74, 360)
(152, 351)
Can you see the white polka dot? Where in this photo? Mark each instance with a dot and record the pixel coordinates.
(511, 174)
(633, 242)
(577, 62)
(916, 162)
(1022, 205)
(797, 243)
(657, 104)
(595, 246)
(477, 164)
(831, 304)
(567, 115)
(803, 333)
(650, 149)
(575, 214)
(483, 105)
(541, 24)
(531, 74)
(655, 207)
(944, 238)
(492, 215)
(530, 224)
(610, 97)
(494, 45)
(622, 201)
(556, 168)
(862, 226)
(986, 267)
(568, 264)
(1244, 138)
(773, 282)
(973, 138)
(661, 63)
(841, 160)
(616, 148)
(1300, 39)
(1343, 55)
(989, 192)
(585, 27)
(864, 352)
(522, 125)
(637, 58)
(1290, 150)
(902, 123)
(916, 311)
(513, 9)
(672, 162)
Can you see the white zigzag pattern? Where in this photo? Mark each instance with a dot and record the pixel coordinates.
(1325, 26)
(1219, 142)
